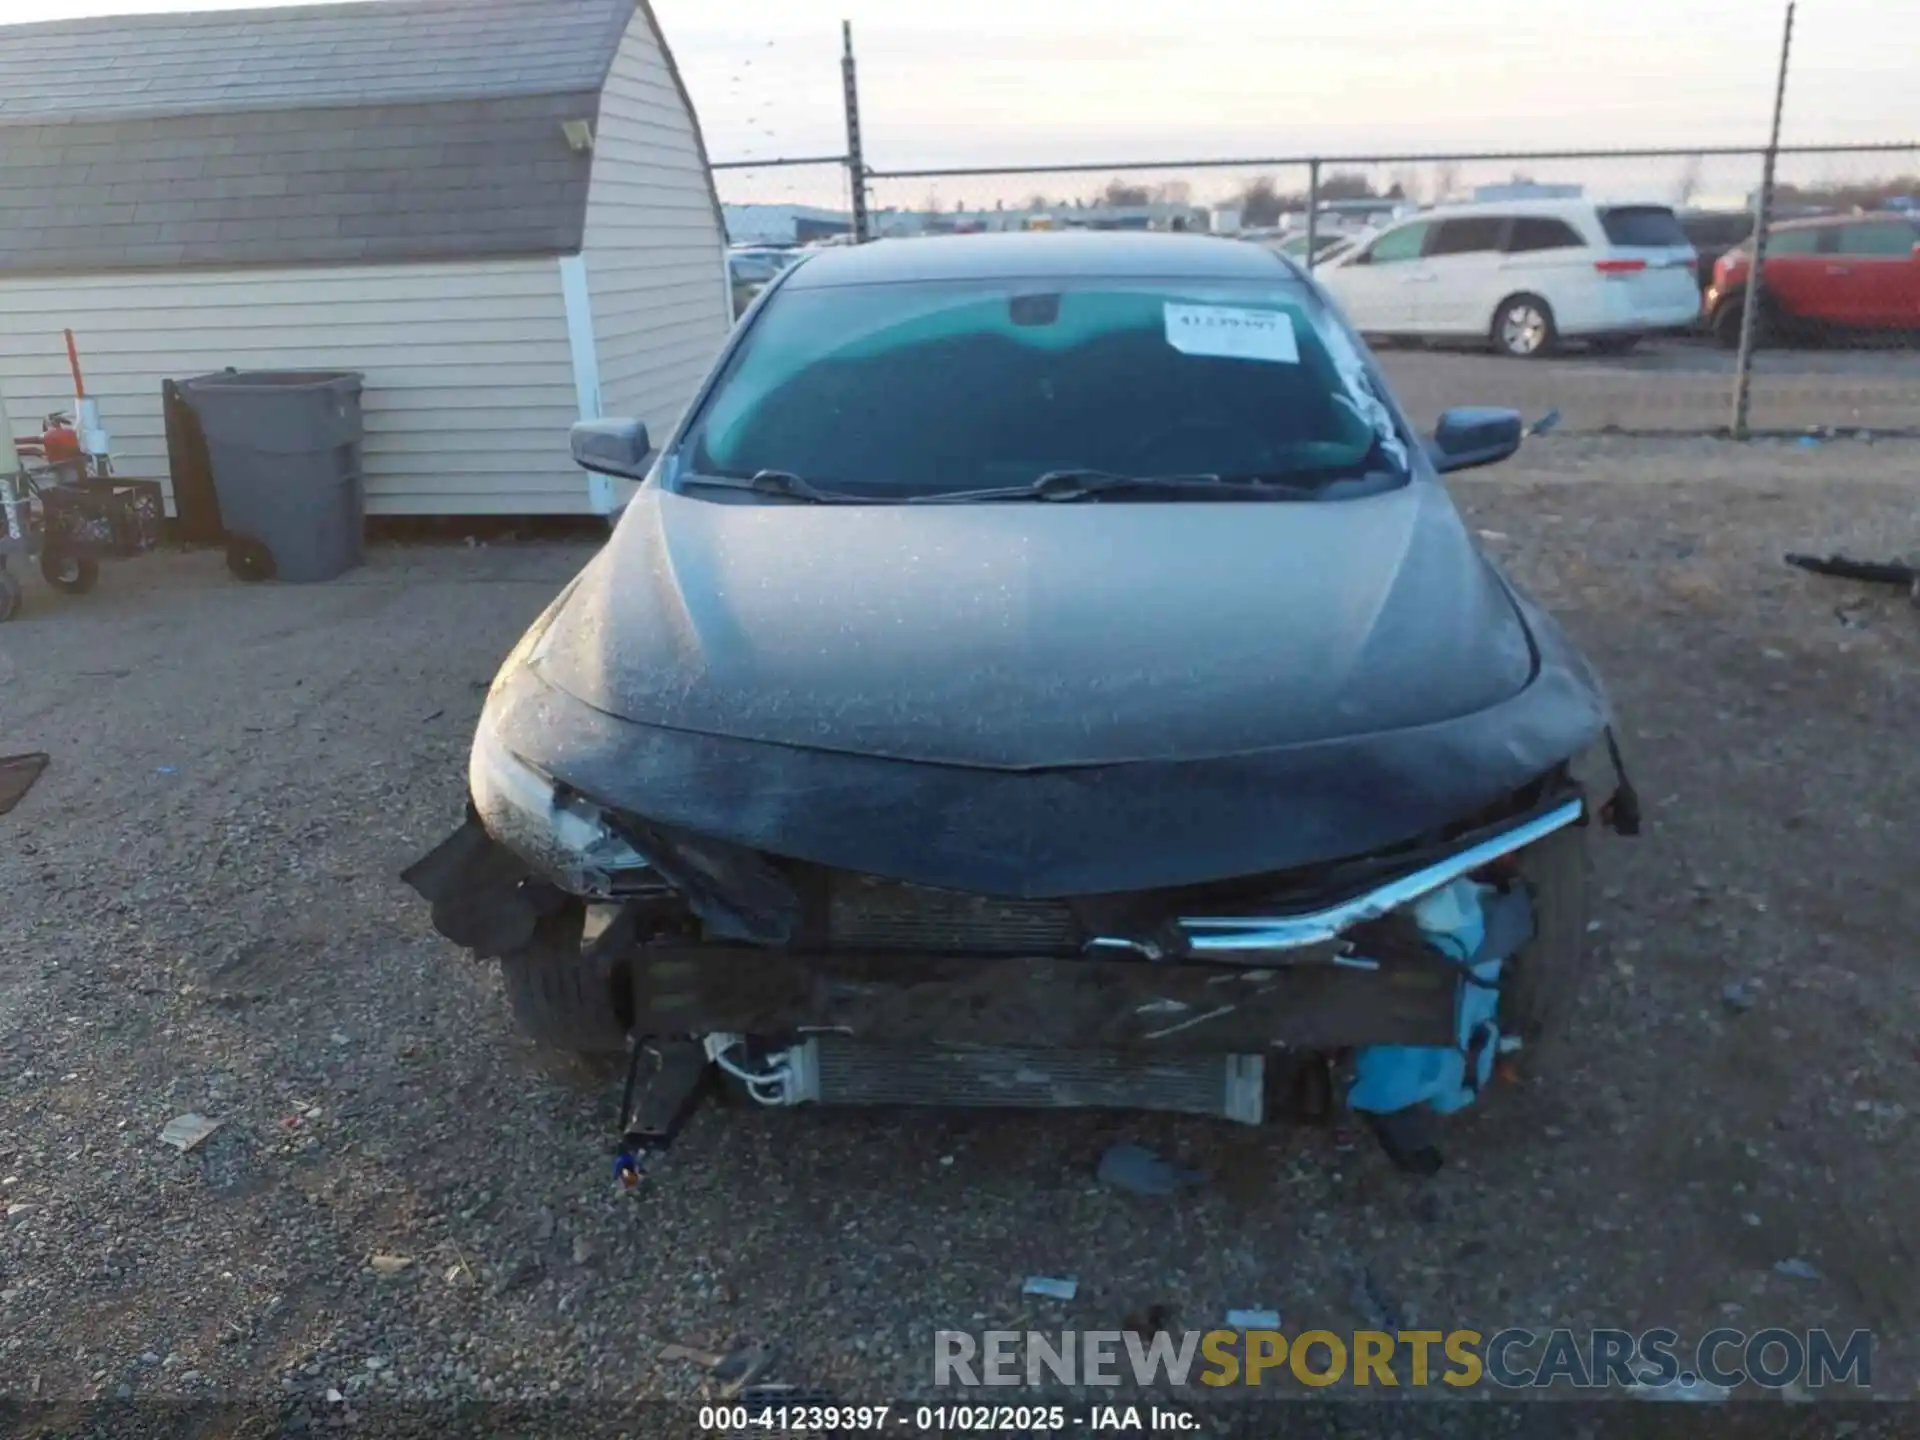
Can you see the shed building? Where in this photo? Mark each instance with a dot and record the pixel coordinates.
(499, 211)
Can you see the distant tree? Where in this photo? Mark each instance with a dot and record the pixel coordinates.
(1173, 192)
(1406, 182)
(1346, 185)
(1688, 185)
(1259, 203)
(1037, 201)
(1446, 180)
(1835, 194)
(1119, 192)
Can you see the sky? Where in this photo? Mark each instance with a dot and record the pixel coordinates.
(1034, 82)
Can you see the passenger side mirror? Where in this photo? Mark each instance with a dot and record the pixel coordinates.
(612, 447)
(1469, 436)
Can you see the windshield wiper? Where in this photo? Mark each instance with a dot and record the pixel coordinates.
(783, 483)
(1081, 484)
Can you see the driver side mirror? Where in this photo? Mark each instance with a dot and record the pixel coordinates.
(612, 447)
(1470, 436)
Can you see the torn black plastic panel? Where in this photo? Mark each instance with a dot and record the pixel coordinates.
(484, 897)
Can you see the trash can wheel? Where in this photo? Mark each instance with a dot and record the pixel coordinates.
(248, 559)
(74, 574)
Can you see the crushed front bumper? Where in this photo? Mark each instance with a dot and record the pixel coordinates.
(1346, 974)
(1065, 1004)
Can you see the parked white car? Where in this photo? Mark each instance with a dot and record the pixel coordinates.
(1523, 274)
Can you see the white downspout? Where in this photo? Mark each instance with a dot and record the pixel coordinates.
(603, 497)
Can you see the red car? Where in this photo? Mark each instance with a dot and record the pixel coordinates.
(1836, 273)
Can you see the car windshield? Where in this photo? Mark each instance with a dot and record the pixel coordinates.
(895, 391)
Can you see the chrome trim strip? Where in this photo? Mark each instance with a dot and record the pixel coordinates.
(1214, 935)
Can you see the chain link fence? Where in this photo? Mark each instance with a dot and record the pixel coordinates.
(1838, 323)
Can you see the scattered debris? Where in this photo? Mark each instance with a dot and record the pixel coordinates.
(515, 1273)
(1675, 1390)
(1546, 424)
(705, 1359)
(1871, 572)
(1373, 1302)
(741, 1367)
(1150, 1321)
(1137, 1169)
(1253, 1319)
(389, 1264)
(1050, 1288)
(1798, 1269)
(435, 715)
(184, 1132)
(20, 1209)
(17, 774)
(779, 1392)
(1738, 997)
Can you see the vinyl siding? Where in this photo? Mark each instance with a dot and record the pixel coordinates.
(469, 381)
(655, 252)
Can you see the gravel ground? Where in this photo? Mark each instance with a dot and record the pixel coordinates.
(202, 915)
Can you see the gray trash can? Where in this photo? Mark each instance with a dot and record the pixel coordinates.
(284, 449)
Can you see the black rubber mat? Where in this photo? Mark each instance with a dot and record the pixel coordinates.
(17, 774)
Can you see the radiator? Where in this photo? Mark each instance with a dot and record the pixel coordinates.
(866, 913)
(832, 1070)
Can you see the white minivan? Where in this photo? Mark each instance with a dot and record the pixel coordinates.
(1523, 274)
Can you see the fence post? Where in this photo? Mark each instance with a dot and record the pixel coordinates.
(1750, 311)
(1313, 211)
(856, 158)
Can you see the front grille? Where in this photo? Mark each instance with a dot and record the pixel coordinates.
(867, 913)
(838, 1071)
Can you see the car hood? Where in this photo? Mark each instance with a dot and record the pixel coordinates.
(1022, 636)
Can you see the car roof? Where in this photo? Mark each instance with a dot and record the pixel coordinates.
(1050, 254)
(1558, 206)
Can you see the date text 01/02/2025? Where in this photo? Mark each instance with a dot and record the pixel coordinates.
(957, 1419)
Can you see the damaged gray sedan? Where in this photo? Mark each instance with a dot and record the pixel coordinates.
(1040, 670)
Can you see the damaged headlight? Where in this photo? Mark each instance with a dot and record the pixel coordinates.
(563, 835)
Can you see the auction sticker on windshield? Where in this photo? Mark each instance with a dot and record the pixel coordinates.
(1232, 333)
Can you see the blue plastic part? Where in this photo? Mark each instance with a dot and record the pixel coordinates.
(626, 1170)
(1481, 928)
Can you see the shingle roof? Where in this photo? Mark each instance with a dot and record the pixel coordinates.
(396, 129)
